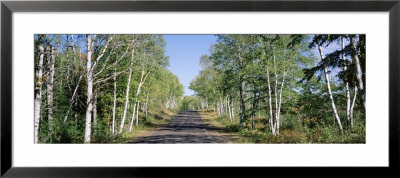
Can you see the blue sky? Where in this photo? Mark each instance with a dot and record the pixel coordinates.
(184, 53)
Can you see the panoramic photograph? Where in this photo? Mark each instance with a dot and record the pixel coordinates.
(199, 88)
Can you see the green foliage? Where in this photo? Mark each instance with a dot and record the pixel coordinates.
(190, 103)
(292, 131)
(240, 66)
(149, 66)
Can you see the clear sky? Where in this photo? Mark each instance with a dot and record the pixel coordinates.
(184, 53)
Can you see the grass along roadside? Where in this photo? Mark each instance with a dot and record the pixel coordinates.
(211, 119)
(292, 131)
(155, 120)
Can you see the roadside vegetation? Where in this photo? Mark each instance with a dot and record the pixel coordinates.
(285, 88)
(292, 131)
(156, 120)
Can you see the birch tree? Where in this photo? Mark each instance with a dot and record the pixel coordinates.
(38, 87)
(50, 86)
(89, 92)
(90, 68)
(328, 85)
(355, 55)
(348, 104)
(121, 127)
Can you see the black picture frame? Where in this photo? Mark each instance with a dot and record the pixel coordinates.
(8, 7)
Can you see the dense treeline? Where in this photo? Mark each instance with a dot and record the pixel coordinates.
(304, 83)
(92, 88)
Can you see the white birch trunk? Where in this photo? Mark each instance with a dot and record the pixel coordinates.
(95, 110)
(207, 103)
(271, 116)
(232, 110)
(68, 67)
(167, 105)
(348, 104)
(218, 110)
(328, 85)
(89, 93)
(280, 104)
(121, 127)
(359, 70)
(114, 105)
(75, 98)
(137, 114)
(133, 116)
(226, 105)
(352, 107)
(221, 101)
(229, 109)
(136, 101)
(50, 86)
(276, 100)
(147, 105)
(38, 92)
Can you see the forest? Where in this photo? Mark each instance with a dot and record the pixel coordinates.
(269, 85)
(93, 88)
(110, 88)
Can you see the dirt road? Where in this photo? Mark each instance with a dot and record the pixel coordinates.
(185, 127)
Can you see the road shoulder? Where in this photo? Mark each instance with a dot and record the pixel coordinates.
(216, 129)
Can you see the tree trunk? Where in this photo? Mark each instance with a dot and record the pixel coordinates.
(38, 91)
(359, 71)
(253, 124)
(280, 103)
(167, 104)
(232, 110)
(352, 106)
(95, 110)
(207, 103)
(136, 101)
(254, 106)
(68, 66)
(121, 127)
(219, 109)
(137, 114)
(147, 105)
(74, 97)
(221, 101)
(133, 116)
(276, 100)
(271, 116)
(229, 109)
(50, 86)
(328, 85)
(241, 99)
(114, 104)
(348, 104)
(76, 83)
(89, 93)
(226, 105)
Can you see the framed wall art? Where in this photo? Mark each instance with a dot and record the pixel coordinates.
(140, 88)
